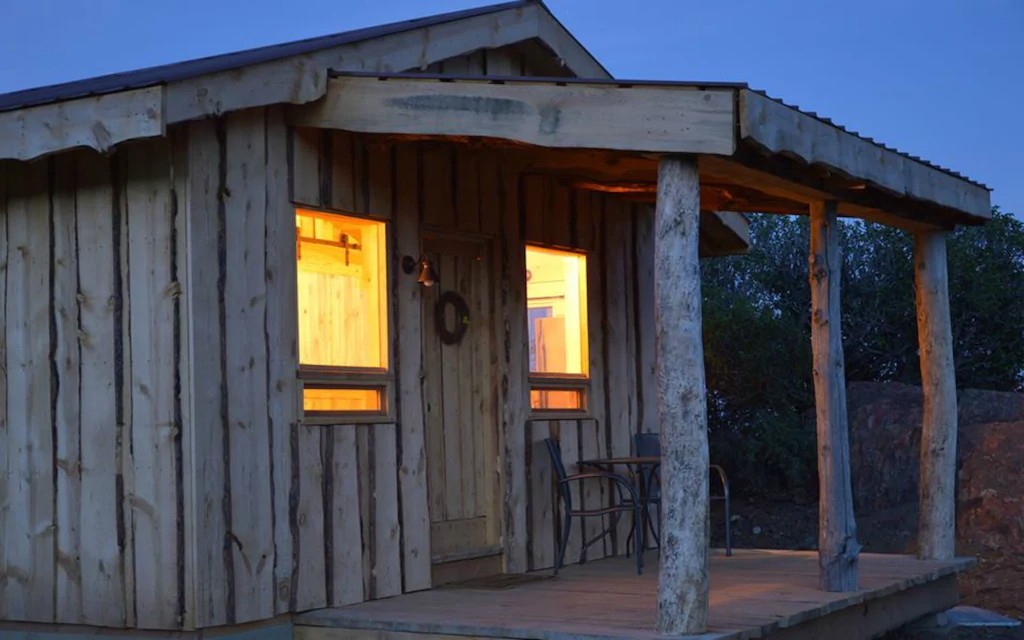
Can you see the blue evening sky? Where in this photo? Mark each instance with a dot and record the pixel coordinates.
(942, 79)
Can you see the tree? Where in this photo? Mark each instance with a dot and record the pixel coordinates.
(757, 331)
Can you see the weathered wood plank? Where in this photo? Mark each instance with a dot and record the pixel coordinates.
(102, 565)
(183, 443)
(380, 166)
(344, 182)
(643, 311)
(569, 439)
(620, 359)
(245, 302)
(308, 579)
(347, 570)
(936, 536)
(367, 507)
(541, 502)
(593, 497)
(98, 122)
(783, 129)
(467, 196)
(30, 526)
(511, 294)
(208, 384)
(437, 162)
(837, 529)
(682, 600)
(305, 166)
(281, 344)
(387, 529)
(590, 218)
(7, 171)
(152, 289)
(654, 119)
(412, 471)
(67, 409)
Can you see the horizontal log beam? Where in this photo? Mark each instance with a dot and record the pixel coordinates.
(97, 122)
(783, 130)
(575, 115)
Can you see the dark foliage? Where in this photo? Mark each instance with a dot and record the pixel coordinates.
(757, 332)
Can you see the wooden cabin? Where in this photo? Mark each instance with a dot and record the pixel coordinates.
(282, 331)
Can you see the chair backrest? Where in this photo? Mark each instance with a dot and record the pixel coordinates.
(647, 444)
(555, 451)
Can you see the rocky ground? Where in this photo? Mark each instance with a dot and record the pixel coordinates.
(996, 583)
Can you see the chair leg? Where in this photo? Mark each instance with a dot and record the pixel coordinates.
(728, 527)
(638, 522)
(564, 542)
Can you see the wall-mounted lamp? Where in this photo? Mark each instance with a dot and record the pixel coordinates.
(427, 274)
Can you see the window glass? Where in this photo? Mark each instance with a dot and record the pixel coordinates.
(335, 400)
(556, 291)
(557, 399)
(342, 272)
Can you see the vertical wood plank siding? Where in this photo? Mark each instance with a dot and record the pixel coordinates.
(94, 517)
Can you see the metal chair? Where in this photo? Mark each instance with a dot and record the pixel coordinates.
(626, 501)
(649, 444)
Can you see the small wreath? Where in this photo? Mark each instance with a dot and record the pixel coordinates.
(455, 335)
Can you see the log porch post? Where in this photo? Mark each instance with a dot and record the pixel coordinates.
(838, 549)
(682, 404)
(936, 534)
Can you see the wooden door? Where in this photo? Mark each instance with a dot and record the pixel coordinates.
(460, 406)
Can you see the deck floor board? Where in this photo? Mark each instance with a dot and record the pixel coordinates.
(753, 593)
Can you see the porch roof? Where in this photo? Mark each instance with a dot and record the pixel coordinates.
(765, 155)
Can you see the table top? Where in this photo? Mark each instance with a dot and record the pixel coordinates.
(625, 460)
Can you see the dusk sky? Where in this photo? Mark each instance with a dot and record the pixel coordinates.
(941, 79)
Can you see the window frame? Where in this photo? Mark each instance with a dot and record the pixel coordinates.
(574, 382)
(346, 377)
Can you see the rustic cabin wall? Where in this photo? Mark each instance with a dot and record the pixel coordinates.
(617, 233)
(94, 430)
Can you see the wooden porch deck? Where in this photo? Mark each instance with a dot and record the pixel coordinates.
(755, 593)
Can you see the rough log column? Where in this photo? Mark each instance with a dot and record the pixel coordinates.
(837, 531)
(936, 526)
(683, 581)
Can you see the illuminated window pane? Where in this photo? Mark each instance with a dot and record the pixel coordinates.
(332, 400)
(556, 291)
(564, 399)
(342, 273)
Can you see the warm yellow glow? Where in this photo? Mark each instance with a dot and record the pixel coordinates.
(342, 274)
(557, 399)
(556, 292)
(331, 400)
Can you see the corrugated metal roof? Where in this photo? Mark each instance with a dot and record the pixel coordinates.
(202, 66)
(877, 143)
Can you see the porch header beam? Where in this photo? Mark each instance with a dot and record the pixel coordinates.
(660, 119)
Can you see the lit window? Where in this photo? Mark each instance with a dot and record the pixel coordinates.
(342, 305)
(556, 292)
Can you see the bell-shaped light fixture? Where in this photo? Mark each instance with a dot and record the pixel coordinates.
(428, 275)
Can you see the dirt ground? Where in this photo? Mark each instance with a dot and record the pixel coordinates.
(996, 583)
